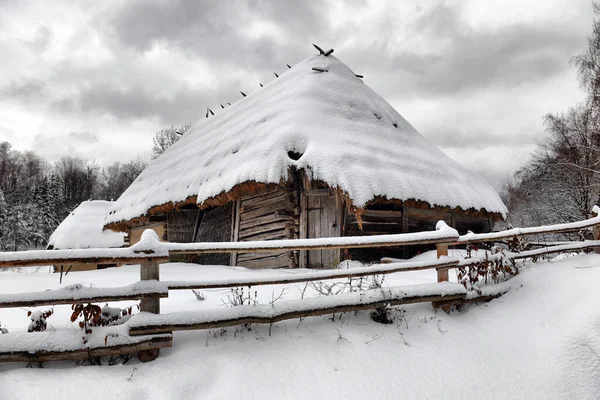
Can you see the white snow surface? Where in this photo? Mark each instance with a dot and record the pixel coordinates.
(82, 228)
(344, 131)
(78, 291)
(69, 340)
(538, 341)
(289, 306)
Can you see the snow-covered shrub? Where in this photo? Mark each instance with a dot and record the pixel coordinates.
(38, 320)
(494, 269)
(199, 295)
(3, 329)
(92, 315)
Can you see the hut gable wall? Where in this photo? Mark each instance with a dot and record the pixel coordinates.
(267, 215)
(215, 226)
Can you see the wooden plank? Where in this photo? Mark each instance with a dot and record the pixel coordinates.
(442, 250)
(260, 193)
(41, 356)
(276, 226)
(265, 210)
(380, 269)
(279, 261)
(150, 271)
(236, 230)
(303, 230)
(255, 256)
(95, 299)
(367, 305)
(396, 214)
(68, 261)
(314, 229)
(355, 242)
(273, 235)
(266, 219)
(255, 204)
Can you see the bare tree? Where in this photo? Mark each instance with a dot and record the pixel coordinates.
(561, 182)
(117, 177)
(164, 138)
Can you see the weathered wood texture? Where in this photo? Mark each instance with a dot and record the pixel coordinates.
(67, 261)
(311, 277)
(99, 299)
(215, 227)
(375, 222)
(135, 233)
(40, 356)
(181, 225)
(267, 215)
(150, 271)
(442, 250)
(322, 220)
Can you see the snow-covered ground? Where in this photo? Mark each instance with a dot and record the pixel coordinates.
(539, 341)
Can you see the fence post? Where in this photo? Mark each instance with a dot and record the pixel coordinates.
(442, 275)
(442, 250)
(149, 271)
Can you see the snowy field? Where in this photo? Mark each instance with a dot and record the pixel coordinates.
(539, 341)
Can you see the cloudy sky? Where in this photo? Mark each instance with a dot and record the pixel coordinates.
(98, 78)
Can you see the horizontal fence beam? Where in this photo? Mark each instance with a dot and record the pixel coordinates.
(537, 230)
(146, 323)
(396, 240)
(585, 245)
(378, 269)
(81, 354)
(74, 294)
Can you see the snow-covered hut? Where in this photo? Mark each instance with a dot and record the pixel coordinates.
(314, 153)
(82, 229)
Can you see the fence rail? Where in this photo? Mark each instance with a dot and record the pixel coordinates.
(150, 252)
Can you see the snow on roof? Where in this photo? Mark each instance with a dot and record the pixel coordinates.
(83, 228)
(346, 134)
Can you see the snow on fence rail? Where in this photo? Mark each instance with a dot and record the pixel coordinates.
(147, 323)
(79, 294)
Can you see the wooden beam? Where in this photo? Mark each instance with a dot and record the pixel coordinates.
(98, 299)
(149, 271)
(236, 230)
(74, 260)
(150, 344)
(394, 240)
(313, 276)
(150, 329)
(442, 250)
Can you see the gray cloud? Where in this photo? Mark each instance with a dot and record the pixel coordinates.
(219, 31)
(41, 40)
(465, 59)
(429, 56)
(23, 90)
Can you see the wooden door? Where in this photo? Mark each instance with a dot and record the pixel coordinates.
(323, 219)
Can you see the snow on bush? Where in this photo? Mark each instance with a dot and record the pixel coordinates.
(38, 320)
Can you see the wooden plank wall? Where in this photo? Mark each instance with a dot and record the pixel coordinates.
(375, 222)
(404, 219)
(267, 215)
(215, 227)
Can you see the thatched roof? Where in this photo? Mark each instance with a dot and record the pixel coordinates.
(82, 229)
(331, 125)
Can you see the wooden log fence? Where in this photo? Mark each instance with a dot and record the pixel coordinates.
(149, 253)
